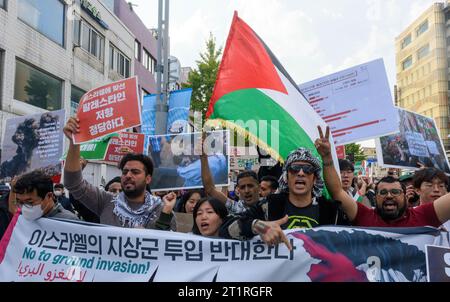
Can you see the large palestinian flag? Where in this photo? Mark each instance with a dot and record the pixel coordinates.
(253, 86)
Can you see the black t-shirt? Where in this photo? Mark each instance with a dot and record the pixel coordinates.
(307, 217)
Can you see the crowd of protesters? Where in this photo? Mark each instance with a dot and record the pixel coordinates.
(261, 205)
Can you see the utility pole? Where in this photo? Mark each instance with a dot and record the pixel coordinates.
(162, 68)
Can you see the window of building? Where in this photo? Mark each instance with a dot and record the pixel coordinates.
(119, 62)
(36, 87)
(3, 4)
(46, 16)
(137, 50)
(423, 51)
(75, 97)
(407, 63)
(422, 28)
(89, 39)
(149, 62)
(406, 41)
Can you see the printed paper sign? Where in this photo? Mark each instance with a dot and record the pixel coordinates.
(418, 141)
(33, 142)
(356, 103)
(108, 109)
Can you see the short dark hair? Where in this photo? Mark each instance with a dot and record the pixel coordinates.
(35, 180)
(390, 180)
(218, 207)
(59, 186)
(247, 174)
(115, 179)
(144, 159)
(345, 164)
(428, 174)
(273, 181)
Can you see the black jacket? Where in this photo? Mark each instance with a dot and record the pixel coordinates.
(273, 208)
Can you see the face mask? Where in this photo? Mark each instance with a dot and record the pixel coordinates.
(58, 193)
(33, 213)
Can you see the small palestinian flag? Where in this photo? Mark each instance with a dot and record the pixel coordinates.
(253, 86)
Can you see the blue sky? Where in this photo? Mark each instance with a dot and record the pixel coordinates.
(310, 38)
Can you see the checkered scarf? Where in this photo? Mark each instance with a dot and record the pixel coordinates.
(302, 154)
(136, 218)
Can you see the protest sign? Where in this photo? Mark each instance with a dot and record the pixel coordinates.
(418, 141)
(108, 109)
(356, 103)
(340, 152)
(48, 250)
(122, 144)
(438, 263)
(33, 142)
(177, 160)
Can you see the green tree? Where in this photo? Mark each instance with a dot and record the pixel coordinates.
(356, 150)
(203, 78)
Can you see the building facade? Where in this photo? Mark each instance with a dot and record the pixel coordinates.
(53, 51)
(422, 60)
(145, 45)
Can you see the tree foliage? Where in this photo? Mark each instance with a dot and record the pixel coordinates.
(356, 150)
(203, 78)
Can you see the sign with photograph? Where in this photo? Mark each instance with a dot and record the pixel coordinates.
(33, 142)
(177, 160)
(418, 141)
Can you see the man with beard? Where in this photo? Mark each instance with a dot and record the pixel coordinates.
(391, 205)
(134, 207)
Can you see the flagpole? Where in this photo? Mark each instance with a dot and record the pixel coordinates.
(162, 54)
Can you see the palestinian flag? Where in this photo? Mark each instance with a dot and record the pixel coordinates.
(253, 86)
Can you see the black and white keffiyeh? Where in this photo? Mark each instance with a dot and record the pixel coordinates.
(136, 218)
(302, 154)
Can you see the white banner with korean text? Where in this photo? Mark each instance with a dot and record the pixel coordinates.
(49, 250)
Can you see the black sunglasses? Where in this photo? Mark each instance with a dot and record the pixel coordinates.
(307, 169)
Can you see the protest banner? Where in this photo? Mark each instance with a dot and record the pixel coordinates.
(438, 263)
(124, 143)
(177, 117)
(356, 103)
(33, 142)
(177, 160)
(48, 250)
(418, 141)
(149, 114)
(108, 109)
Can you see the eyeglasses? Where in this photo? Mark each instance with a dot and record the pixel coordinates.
(27, 204)
(394, 192)
(307, 169)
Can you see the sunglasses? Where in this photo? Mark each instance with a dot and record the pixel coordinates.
(307, 169)
(394, 192)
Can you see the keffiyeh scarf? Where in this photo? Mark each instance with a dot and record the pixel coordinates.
(136, 218)
(302, 154)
